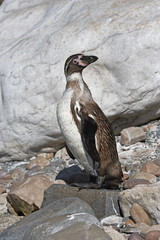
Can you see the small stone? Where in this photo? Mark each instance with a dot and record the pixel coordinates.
(135, 236)
(150, 127)
(47, 156)
(33, 171)
(59, 181)
(133, 182)
(139, 215)
(129, 222)
(147, 176)
(2, 190)
(157, 162)
(3, 203)
(17, 173)
(113, 233)
(132, 135)
(2, 172)
(153, 235)
(153, 228)
(38, 161)
(113, 219)
(62, 153)
(150, 167)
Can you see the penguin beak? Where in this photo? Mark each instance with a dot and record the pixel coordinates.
(89, 59)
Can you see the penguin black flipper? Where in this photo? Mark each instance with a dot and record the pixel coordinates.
(88, 131)
(69, 152)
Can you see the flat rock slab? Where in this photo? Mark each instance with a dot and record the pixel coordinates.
(103, 202)
(66, 206)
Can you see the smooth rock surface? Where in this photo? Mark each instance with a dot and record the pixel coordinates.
(75, 226)
(139, 215)
(115, 235)
(26, 195)
(103, 202)
(62, 207)
(147, 196)
(153, 235)
(132, 135)
(145, 176)
(135, 236)
(38, 36)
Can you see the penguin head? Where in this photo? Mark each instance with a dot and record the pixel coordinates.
(77, 62)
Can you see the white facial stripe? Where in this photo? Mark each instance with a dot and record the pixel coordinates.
(79, 61)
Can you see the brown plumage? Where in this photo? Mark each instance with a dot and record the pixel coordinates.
(94, 146)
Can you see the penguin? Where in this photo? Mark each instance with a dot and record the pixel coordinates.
(87, 132)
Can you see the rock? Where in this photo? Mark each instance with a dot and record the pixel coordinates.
(150, 127)
(26, 195)
(153, 228)
(133, 182)
(8, 220)
(66, 206)
(128, 51)
(113, 219)
(75, 226)
(38, 161)
(139, 215)
(132, 157)
(3, 203)
(135, 236)
(2, 190)
(113, 233)
(34, 171)
(62, 153)
(157, 162)
(2, 172)
(147, 196)
(151, 167)
(153, 235)
(129, 222)
(145, 176)
(17, 173)
(132, 135)
(59, 181)
(103, 202)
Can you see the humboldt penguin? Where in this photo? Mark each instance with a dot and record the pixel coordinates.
(85, 128)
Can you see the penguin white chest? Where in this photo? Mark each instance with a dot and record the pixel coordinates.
(70, 132)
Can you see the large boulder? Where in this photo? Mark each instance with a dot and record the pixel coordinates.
(37, 37)
(71, 207)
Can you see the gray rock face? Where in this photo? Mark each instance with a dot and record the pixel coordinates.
(74, 226)
(103, 202)
(66, 206)
(37, 37)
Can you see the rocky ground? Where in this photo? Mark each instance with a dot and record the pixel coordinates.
(41, 184)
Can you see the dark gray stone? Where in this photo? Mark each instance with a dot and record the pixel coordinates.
(57, 208)
(76, 226)
(103, 202)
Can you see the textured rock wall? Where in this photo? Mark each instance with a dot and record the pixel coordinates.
(35, 39)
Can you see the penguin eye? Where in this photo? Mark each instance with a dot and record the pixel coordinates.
(75, 61)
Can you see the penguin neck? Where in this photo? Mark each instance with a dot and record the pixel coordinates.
(75, 82)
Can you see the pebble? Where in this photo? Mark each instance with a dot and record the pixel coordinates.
(150, 167)
(113, 233)
(135, 236)
(153, 235)
(139, 215)
(133, 182)
(132, 135)
(147, 176)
